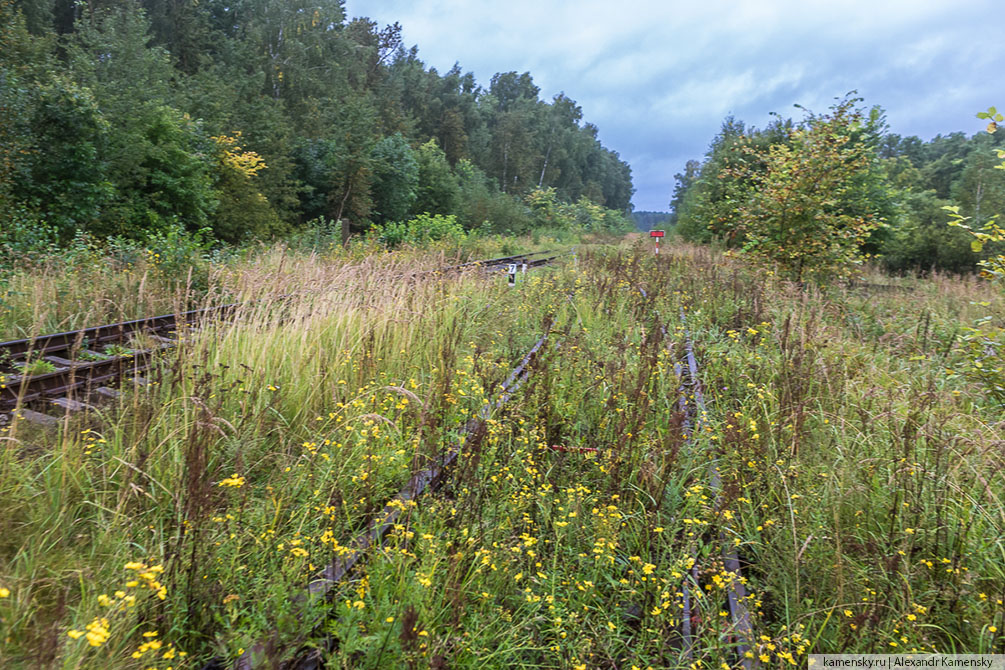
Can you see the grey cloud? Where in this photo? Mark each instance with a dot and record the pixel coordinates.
(658, 77)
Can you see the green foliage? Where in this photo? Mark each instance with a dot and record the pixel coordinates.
(683, 181)
(920, 239)
(242, 212)
(320, 234)
(396, 176)
(911, 179)
(653, 220)
(125, 139)
(582, 216)
(420, 231)
(162, 171)
(989, 232)
(23, 238)
(984, 343)
(36, 367)
(174, 249)
(438, 189)
(66, 182)
(706, 201)
(346, 165)
(15, 108)
(483, 207)
(802, 214)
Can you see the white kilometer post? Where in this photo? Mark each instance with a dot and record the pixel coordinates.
(512, 274)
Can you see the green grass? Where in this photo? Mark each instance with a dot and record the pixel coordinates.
(861, 481)
(37, 367)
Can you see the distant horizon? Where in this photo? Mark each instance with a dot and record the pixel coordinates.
(658, 79)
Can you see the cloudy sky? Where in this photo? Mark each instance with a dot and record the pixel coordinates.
(659, 77)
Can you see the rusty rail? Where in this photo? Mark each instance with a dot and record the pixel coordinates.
(18, 389)
(427, 480)
(691, 402)
(736, 594)
(55, 343)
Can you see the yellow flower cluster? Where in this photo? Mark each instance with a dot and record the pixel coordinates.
(96, 632)
(154, 645)
(232, 480)
(149, 577)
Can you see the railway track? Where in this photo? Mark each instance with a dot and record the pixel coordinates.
(520, 260)
(64, 371)
(371, 538)
(736, 595)
(91, 361)
(691, 403)
(738, 632)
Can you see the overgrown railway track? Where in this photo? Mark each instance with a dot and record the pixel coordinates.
(737, 633)
(65, 370)
(691, 403)
(364, 543)
(76, 379)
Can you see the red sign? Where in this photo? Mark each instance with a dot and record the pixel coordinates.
(655, 233)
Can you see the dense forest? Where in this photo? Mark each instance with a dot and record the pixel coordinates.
(250, 119)
(903, 184)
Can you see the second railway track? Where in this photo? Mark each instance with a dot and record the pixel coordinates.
(64, 370)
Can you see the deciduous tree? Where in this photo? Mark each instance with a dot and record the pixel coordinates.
(801, 216)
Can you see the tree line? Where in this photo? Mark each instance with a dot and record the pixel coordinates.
(895, 194)
(249, 119)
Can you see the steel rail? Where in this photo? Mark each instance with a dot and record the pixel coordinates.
(694, 412)
(25, 389)
(427, 480)
(486, 264)
(17, 389)
(110, 333)
(736, 594)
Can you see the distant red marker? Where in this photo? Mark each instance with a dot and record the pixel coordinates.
(657, 234)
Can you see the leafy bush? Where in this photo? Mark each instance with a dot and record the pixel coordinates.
(67, 184)
(420, 231)
(921, 241)
(805, 215)
(581, 216)
(984, 343)
(318, 234)
(177, 252)
(242, 212)
(23, 238)
(395, 178)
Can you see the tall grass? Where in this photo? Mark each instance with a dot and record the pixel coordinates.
(861, 482)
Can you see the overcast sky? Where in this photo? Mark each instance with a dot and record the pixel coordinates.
(658, 78)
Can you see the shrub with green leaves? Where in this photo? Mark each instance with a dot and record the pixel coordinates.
(420, 231)
(801, 218)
